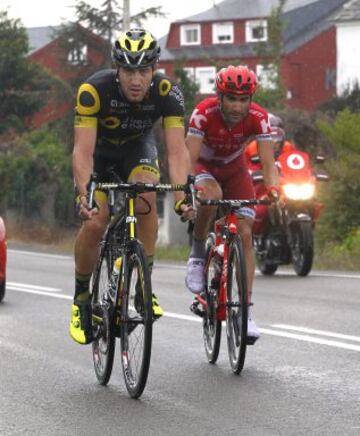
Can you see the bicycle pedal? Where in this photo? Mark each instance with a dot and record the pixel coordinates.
(194, 308)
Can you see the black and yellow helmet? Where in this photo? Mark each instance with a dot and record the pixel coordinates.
(135, 48)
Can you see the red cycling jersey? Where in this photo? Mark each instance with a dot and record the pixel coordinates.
(221, 143)
(222, 148)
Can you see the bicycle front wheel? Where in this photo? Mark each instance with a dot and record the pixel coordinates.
(136, 320)
(103, 346)
(211, 325)
(236, 306)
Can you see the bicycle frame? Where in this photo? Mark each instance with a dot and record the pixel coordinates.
(225, 227)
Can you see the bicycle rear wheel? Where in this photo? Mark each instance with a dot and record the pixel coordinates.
(103, 346)
(136, 321)
(237, 306)
(211, 326)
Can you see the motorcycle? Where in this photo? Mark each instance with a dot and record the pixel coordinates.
(283, 233)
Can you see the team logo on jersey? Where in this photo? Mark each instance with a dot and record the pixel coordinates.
(295, 161)
(197, 118)
(110, 122)
(164, 87)
(265, 125)
(178, 95)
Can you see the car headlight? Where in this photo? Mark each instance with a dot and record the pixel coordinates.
(304, 191)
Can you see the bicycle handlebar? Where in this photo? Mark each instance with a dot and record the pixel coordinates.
(234, 203)
(139, 188)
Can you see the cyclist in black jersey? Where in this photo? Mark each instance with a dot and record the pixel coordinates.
(115, 112)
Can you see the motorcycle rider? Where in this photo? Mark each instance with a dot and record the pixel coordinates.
(281, 146)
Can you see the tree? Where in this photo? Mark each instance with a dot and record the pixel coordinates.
(35, 174)
(105, 22)
(350, 99)
(341, 216)
(24, 86)
(189, 86)
(270, 53)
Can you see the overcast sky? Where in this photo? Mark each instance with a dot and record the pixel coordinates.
(35, 13)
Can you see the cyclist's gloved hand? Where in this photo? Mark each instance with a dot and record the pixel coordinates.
(82, 207)
(184, 209)
(273, 192)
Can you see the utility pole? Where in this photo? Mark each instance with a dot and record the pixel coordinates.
(126, 15)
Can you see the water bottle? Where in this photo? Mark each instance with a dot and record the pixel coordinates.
(114, 277)
(220, 250)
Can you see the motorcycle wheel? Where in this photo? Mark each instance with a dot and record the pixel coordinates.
(267, 269)
(302, 252)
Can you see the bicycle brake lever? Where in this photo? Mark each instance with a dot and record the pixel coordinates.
(91, 191)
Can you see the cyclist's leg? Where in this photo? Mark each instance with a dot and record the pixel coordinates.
(86, 252)
(141, 165)
(210, 189)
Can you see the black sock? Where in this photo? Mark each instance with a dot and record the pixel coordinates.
(198, 248)
(82, 282)
(150, 260)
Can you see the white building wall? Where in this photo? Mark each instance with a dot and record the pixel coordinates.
(348, 55)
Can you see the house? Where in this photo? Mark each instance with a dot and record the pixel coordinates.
(230, 30)
(47, 48)
(347, 22)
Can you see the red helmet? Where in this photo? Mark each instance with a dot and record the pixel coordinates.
(238, 80)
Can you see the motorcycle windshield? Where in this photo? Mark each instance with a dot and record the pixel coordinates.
(295, 167)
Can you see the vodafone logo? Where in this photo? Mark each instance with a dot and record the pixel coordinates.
(295, 161)
(197, 118)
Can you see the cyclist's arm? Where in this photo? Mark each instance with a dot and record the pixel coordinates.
(177, 156)
(193, 144)
(84, 146)
(266, 154)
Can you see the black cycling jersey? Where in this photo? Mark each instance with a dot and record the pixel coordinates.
(101, 104)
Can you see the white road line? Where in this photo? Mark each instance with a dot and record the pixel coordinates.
(266, 331)
(47, 294)
(40, 254)
(11, 285)
(182, 317)
(161, 264)
(316, 332)
(310, 339)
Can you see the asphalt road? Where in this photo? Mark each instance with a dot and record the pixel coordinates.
(301, 378)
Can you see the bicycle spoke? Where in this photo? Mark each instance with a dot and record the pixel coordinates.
(136, 323)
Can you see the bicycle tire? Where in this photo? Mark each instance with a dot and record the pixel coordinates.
(237, 306)
(211, 326)
(103, 346)
(136, 320)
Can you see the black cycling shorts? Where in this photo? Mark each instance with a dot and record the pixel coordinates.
(137, 155)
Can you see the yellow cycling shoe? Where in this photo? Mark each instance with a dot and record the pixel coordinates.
(157, 309)
(80, 324)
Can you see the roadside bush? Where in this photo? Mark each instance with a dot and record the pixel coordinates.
(341, 217)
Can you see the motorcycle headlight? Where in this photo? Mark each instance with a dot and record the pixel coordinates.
(299, 192)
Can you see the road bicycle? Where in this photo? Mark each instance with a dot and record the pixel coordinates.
(225, 296)
(121, 293)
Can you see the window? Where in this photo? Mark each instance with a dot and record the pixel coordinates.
(223, 33)
(77, 54)
(205, 76)
(190, 34)
(256, 30)
(266, 76)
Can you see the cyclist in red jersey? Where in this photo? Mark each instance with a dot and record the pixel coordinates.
(220, 127)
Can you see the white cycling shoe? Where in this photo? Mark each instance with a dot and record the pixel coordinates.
(195, 278)
(253, 333)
